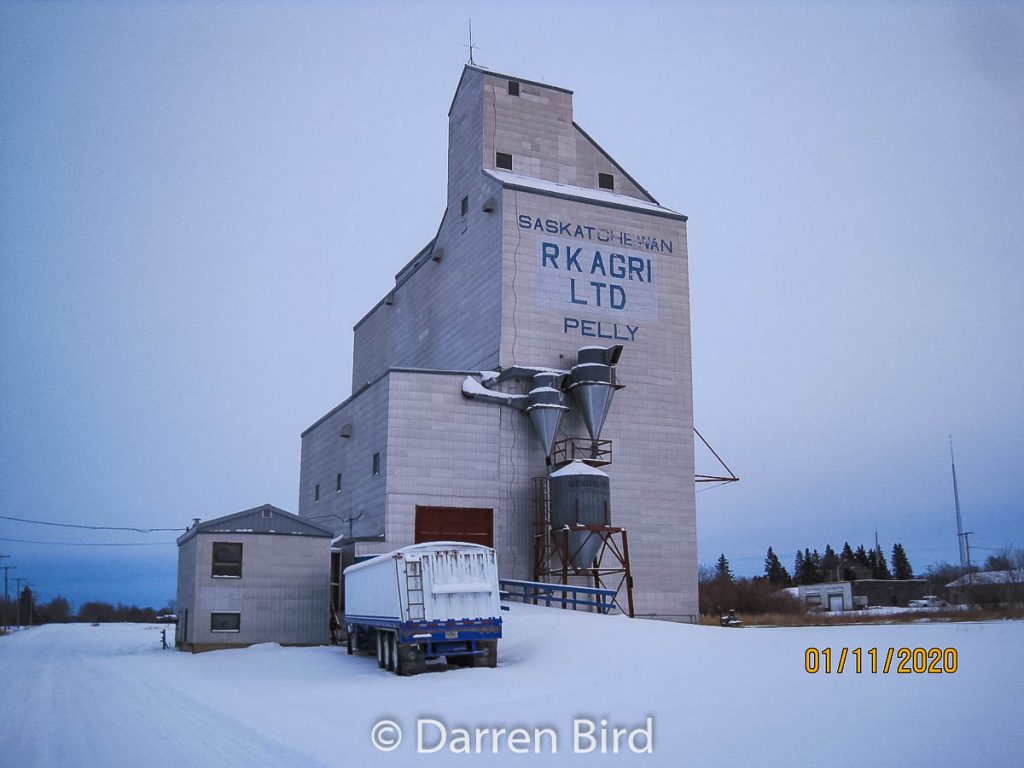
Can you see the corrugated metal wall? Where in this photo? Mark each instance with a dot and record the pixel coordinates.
(283, 595)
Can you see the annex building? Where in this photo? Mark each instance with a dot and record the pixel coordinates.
(256, 576)
(547, 246)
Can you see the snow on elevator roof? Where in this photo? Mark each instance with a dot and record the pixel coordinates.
(556, 189)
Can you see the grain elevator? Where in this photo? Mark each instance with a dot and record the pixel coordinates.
(535, 354)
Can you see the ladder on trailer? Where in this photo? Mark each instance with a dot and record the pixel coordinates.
(414, 589)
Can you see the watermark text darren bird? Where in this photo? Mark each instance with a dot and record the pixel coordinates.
(585, 735)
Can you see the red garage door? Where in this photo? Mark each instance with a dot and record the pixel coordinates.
(472, 524)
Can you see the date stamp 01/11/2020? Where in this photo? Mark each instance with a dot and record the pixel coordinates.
(903, 661)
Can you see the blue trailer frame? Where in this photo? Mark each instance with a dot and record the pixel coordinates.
(464, 642)
(439, 638)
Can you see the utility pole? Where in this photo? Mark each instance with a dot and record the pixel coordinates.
(31, 603)
(17, 589)
(967, 548)
(6, 569)
(964, 560)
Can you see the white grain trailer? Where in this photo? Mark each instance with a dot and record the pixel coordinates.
(423, 602)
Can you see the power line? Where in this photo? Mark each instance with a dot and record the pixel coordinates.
(90, 527)
(92, 543)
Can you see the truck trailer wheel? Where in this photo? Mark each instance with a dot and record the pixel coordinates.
(391, 651)
(350, 642)
(489, 657)
(381, 641)
(409, 660)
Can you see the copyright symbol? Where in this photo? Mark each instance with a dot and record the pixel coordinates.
(386, 735)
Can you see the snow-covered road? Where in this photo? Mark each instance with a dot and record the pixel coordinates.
(82, 696)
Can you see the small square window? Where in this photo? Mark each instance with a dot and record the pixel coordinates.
(376, 463)
(226, 622)
(337, 483)
(227, 559)
(465, 205)
(267, 514)
(605, 181)
(513, 88)
(316, 493)
(503, 160)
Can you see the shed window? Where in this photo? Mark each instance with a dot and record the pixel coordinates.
(503, 160)
(316, 493)
(513, 88)
(465, 205)
(337, 483)
(605, 181)
(226, 622)
(376, 463)
(227, 559)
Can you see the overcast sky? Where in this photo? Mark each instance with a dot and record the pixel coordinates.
(198, 201)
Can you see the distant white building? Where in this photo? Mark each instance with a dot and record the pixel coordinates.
(257, 576)
(837, 596)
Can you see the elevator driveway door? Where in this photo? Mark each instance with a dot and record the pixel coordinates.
(471, 524)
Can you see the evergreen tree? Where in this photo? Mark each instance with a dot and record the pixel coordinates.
(819, 572)
(25, 607)
(722, 570)
(861, 557)
(883, 561)
(846, 561)
(830, 564)
(879, 567)
(900, 564)
(807, 569)
(774, 570)
(798, 568)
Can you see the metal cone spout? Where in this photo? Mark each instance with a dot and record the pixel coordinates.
(546, 420)
(547, 405)
(592, 383)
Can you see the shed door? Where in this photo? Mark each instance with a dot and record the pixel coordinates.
(835, 602)
(471, 524)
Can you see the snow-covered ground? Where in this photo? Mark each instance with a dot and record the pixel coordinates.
(78, 695)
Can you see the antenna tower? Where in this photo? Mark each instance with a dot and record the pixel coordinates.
(471, 46)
